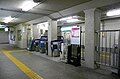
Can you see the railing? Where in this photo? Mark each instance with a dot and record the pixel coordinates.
(82, 45)
(108, 48)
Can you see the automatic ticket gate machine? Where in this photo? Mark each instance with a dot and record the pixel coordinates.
(43, 44)
(34, 45)
(56, 46)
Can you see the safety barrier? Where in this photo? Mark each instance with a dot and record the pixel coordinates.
(108, 48)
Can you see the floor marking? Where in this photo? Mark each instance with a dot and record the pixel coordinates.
(22, 66)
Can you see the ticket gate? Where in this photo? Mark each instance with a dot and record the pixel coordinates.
(34, 45)
(56, 48)
(43, 45)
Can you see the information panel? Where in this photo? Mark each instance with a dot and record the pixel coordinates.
(75, 36)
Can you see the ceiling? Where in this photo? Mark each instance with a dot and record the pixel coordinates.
(110, 7)
(11, 8)
(49, 7)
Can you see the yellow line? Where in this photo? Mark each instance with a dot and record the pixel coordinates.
(22, 66)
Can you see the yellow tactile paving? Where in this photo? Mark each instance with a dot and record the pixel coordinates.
(22, 66)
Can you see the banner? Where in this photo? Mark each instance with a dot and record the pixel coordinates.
(75, 36)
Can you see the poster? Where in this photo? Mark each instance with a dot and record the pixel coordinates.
(75, 36)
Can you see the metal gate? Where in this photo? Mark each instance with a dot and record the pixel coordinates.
(108, 48)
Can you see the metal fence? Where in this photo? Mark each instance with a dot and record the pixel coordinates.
(83, 45)
(108, 48)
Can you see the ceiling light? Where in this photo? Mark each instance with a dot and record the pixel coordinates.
(66, 18)
(66, 28)
(113, 12)
(72, 20)
(8, 19)
(27, 5)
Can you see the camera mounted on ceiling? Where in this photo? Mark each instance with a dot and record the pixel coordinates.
(39, 1)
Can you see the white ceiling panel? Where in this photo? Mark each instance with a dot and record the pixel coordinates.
(10, 4)
(30, 16)
(8, 13)
(36, 10)
(56, 5)
(48, 7)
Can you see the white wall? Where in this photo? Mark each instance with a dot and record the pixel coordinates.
(36, 29)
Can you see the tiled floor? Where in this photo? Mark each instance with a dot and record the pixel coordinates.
(8, 70)
(46, 67)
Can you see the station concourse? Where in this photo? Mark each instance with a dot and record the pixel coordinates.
(59, 39)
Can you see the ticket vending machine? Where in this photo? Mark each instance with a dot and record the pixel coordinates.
(74, 50)
(74, 55)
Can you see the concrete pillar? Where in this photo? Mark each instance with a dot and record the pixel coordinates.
(92, 24)
(52, 34)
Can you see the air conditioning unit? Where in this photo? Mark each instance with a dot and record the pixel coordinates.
(39, 1)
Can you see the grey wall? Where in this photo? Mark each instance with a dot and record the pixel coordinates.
(4, 37)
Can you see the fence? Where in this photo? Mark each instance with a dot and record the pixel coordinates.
(108, 48)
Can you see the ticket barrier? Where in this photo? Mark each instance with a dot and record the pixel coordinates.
(34, 46)
(43, 44)
(56, 47)
(74, 55)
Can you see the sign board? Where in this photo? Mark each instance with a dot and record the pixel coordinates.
(75, 36)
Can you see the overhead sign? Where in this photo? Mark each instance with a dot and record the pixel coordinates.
(75, 36)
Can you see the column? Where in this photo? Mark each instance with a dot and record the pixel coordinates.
(92, 24)
(52, 34)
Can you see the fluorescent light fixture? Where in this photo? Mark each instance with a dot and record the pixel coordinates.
(72, 20)
(66, 28)
(6, 29)
(27, 5)
(66, 18)
(8, 19)
(113, 12)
